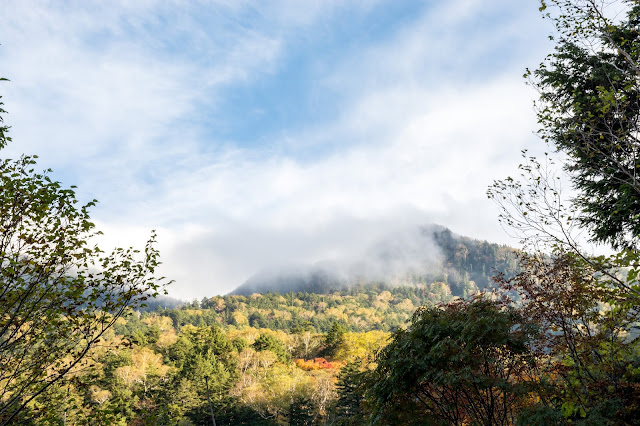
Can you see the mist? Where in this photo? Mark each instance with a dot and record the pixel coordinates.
(347, 248)
(406, 252)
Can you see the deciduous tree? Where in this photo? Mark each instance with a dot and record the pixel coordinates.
(59, 293)
(461, 363)
(584, 350)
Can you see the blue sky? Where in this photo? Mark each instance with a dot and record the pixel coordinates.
(259, 134)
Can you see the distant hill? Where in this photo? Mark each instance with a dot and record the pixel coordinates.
(422, 255)
(161, 301)
(306, 279)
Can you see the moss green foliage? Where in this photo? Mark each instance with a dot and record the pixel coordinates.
(268, 342)
(301, 412)
(377, 307)
(463, 362)
(333, 339)
(361, 308)
(161, 380)
(351, 389)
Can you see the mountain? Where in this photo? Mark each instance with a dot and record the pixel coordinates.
(422, 255)
(308, 279)
(161, 301)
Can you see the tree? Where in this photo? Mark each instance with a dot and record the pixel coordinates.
(301, 411)
(59, 294)
(584, 349)
(305, 340)
(351, 389)
(467, 362)
(202, 356)
(146, 369)
(4, 129)
(268, 342)
(589, 109)
(333, 339)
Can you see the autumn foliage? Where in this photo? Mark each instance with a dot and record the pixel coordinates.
(317, 364)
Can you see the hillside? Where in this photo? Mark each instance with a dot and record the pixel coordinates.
(421, 256)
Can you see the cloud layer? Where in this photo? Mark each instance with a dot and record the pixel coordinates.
(255, 136)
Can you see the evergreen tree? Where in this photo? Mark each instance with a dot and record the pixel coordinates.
(589, 109)
(351, 389)
(301, 411)
(333, 339)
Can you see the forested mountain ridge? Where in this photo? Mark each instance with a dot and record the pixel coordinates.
(360, 308)
(426, 255)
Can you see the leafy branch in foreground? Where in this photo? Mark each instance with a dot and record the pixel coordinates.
(586, 346)
(58, 293)
(589, 111)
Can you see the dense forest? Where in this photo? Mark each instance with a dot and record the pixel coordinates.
(148, 372)
(466, 268)
(547, 335)
(155, 366)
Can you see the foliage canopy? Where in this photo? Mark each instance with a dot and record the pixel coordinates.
(461, 363)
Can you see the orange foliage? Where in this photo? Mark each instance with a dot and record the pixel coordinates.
(317, 364)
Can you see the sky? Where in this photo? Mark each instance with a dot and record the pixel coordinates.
(254, 135)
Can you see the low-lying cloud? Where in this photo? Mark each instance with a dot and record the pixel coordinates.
(402, 127)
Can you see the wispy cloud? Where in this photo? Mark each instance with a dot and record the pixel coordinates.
(253, 136)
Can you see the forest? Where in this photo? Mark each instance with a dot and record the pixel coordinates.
(543, 335)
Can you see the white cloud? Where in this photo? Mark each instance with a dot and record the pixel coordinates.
(257, 213)
(418, 137)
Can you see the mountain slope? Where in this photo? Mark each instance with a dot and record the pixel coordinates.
(419, 256)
